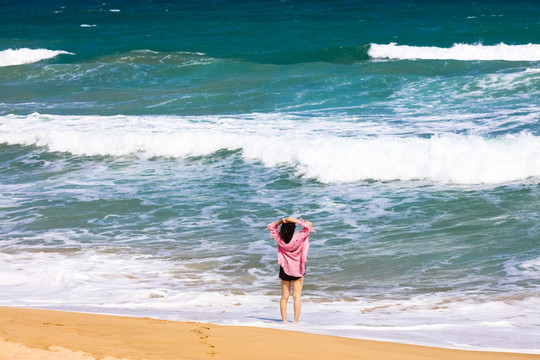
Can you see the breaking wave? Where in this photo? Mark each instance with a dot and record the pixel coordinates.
(22, 56)
(326, 157)
(529, 52)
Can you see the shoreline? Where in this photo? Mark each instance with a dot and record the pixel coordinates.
(50, 334)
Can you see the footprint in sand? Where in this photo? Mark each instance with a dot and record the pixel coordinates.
(202, 333)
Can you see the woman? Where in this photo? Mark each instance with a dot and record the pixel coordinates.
(292, 256)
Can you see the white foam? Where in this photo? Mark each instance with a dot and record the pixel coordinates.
(327, 156)
(22, 56)
(529, 269)
(528, 52)
(448, 158)
(108, 280)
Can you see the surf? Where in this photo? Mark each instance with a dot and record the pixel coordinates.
(10, 57)
(465, 52)
(317, 153)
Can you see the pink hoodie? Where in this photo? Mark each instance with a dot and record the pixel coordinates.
(292, 256)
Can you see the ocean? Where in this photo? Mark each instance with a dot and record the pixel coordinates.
(145, 146)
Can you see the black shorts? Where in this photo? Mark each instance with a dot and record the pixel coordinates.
(284, 276)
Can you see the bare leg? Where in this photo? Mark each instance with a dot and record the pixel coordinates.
(297, 293)
(285, 293)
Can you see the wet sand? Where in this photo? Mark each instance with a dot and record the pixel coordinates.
(51, 335)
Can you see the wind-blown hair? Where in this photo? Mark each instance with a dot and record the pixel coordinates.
(287, 231)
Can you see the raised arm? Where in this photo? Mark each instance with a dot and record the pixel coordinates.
(279, 222)
(290, 219)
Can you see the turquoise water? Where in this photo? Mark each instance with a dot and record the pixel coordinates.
(144, 146)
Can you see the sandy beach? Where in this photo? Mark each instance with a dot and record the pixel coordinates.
(44, 334)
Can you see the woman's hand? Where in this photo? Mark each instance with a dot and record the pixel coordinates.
(289, 220)
(285, 220)
(293, 220)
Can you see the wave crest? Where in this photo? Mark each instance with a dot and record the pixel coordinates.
(23, 56)
(529, 52)
(315, 154)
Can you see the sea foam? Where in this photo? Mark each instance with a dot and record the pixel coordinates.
(529, 52)
(22, 56)
(327, 157)
(115, 281)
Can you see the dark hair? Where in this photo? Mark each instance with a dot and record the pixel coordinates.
(287, 231)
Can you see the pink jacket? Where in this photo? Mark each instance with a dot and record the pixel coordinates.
(292, 256)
